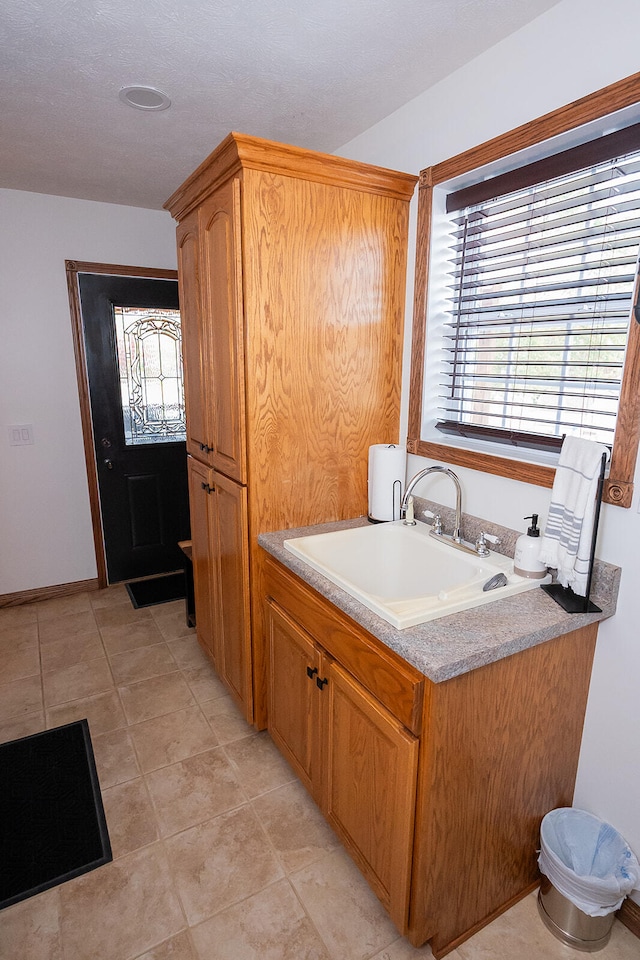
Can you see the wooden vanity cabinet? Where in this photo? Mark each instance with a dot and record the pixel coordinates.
(292, 272)
(436, 789)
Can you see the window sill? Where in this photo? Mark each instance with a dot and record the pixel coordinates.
(540, 474)
(528, 472)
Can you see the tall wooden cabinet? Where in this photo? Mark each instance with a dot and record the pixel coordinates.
(292, 282)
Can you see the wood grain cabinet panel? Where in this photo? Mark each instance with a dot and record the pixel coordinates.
(221, 290)
(231, 551)
(501, 749)
(292, 272)
(195, 341)
(371, 766)
(220, 564)
(294, 714)
(203, 534)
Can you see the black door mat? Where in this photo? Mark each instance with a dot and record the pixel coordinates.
(52, 822)
(146, 593)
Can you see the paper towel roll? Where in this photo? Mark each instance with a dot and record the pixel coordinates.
(387, 468)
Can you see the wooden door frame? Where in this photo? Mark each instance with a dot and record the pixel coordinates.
(73, 268)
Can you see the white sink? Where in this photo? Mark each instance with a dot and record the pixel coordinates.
(405, 575)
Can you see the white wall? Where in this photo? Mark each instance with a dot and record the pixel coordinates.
(45, 523)
(570, 51)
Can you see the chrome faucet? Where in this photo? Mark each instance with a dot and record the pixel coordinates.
(456, 535)
(455, 539)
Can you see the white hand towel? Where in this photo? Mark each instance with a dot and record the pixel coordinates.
(566, 544)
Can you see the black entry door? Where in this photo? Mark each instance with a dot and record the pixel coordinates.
(131, 329)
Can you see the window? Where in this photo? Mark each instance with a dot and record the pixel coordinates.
(529, 295)
(149, 352)
(542, 279)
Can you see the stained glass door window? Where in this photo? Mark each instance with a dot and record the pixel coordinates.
(149, 349)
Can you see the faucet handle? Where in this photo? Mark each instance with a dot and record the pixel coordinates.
(481, 543)
(437, 522)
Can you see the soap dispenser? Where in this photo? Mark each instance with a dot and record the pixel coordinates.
(525, 560)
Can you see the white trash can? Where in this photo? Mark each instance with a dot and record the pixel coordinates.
(588, 869)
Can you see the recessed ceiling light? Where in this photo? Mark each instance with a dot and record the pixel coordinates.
(144, 98)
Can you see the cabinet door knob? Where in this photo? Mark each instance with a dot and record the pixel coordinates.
(208, 487)
(321, 681)
(311, 672)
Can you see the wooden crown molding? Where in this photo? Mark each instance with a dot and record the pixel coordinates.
(239, 152)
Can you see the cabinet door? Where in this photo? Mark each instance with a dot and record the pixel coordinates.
(221, 576)
(203, 536)
(221, 290)
(195, 351)
(293, 701)
(371, 769)
(232, 561)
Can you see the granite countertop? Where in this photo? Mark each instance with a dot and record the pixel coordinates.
(453, 645)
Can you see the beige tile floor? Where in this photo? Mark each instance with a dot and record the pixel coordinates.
(219, 854)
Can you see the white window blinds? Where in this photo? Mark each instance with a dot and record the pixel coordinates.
(541, 280)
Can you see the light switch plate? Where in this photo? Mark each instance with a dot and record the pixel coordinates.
(20, 434)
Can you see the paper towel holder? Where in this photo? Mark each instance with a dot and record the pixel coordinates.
(396, 499)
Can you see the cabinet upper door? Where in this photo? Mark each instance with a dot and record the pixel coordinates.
(221, 292)
(195, 350)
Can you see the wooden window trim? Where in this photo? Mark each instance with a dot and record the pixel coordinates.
(619, 486)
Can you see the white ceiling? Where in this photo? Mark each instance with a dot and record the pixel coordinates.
(314, 73)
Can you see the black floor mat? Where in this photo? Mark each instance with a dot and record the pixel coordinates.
(146, 593)
(52, 823)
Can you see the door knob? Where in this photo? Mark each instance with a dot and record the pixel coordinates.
(108, 464)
